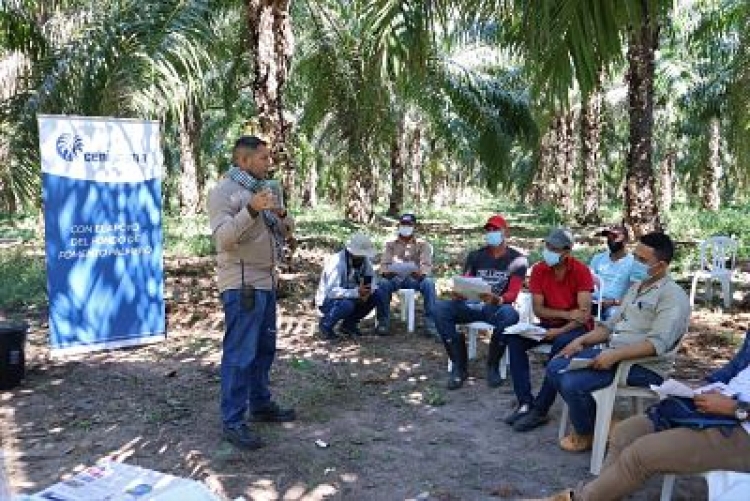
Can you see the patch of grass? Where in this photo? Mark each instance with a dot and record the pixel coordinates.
(23, 279)
(187, 236)
(435, 397)
(695, 223)
(301, 364)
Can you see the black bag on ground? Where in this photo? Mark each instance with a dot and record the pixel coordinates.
(12, 354)
(673, 412)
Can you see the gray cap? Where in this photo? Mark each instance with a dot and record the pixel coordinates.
(360, 245)
(560, 238)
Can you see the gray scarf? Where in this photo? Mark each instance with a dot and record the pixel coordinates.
(272, 220)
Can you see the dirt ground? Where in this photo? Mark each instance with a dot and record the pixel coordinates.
(393, 432)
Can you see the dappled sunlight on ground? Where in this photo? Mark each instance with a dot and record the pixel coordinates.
(375, 422)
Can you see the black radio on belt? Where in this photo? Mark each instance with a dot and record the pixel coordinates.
(247, 291)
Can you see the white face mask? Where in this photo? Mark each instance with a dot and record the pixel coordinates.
(405, 231)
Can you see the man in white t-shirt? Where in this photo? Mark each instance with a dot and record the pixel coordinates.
(613, 269)
(637, 451)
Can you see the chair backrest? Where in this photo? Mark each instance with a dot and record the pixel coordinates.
(718, 253)
(525, 307)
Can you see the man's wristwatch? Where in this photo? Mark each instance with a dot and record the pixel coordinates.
(742, 412)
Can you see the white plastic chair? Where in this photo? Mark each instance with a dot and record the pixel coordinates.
(605, 403)
(599, 282)
(407, 306)
(722, 486)
(526, 314)
(525, 306)
(718, 255)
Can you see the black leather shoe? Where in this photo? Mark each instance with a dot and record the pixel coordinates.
(517, 413)
(241, 436)
(272, 413)
(327, 334)
(534, 419)
(351, 331)
(493, 377)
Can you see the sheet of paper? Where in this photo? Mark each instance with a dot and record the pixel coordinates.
(404, 268)
(470, 287)
(675, 388)
(111, 481)
(527, 330)
(578, 363)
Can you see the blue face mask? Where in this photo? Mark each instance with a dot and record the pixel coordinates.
(551, 258)
(639, 271)
(494, 238)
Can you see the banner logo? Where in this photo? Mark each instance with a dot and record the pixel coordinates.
(69, 146)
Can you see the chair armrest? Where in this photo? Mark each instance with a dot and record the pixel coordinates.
(623, 368)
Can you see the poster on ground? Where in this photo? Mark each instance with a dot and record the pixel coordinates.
(101, 189)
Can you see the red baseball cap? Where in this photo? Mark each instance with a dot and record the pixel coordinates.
(496, 222)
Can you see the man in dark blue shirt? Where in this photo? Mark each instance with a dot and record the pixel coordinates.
(504, 268)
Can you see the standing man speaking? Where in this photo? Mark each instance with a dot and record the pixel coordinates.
(249, 226)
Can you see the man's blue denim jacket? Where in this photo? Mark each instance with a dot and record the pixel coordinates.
(740, 361)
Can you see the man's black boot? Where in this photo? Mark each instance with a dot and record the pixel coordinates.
(456, 349)
(494, 355)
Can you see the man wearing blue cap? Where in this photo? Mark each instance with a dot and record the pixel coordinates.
(407, 264)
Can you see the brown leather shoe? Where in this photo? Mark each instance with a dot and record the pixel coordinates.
(577, 443)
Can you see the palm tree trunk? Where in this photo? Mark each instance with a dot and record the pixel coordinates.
(7, 194)
(415, 165)
(712, 173)
(359, 207)
(397, 172)
(591, 130)
(272, 44)
(310, 192)
(567, 155)
(553, 180)
(539, 192)
(641, 209)
(190, 178)
(666, 185)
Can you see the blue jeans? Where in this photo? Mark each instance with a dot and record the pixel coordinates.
(607, 311)
(351, 311)
(575, 387)
(248, 350)
(452, 312)
(387, 286)
(521, 373)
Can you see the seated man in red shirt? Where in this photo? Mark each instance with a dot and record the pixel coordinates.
(561, 288)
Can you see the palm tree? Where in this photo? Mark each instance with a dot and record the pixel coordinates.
(271, 45)
(130, 58)
(641, 209)
(568, 43)
(591, 130)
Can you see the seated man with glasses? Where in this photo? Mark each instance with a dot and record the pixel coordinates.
(561, 290)
(651, 321)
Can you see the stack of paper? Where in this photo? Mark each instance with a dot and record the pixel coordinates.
(530, 331)
(403, 269)
(111, 481)
(470, 287)
(675, 388)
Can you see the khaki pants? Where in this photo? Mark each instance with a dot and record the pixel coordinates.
(636, 453)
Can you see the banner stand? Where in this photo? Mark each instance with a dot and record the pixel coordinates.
(101, 182)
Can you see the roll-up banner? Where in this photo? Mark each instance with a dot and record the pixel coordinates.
(101, 183)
